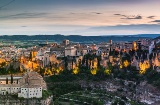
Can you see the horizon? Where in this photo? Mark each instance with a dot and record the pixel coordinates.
(74, 17)
(116, 35)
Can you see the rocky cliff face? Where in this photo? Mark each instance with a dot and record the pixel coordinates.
(13, 101)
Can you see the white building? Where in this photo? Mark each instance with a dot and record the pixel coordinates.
(70, 51)
(8, 87)
(30, 85)
(30, 92)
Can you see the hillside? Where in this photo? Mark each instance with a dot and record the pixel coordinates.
(77, 38)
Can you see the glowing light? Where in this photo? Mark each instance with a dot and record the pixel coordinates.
(134, 45)
(143, 67)
(121, 66)
(107, 72)
(94, 71)
(75, 71)
(48, 72)
(58, 71)
(126, 63)
(94, 66)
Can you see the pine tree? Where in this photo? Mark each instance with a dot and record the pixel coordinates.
(11, 79)
(65, 62)
(7, 80)
(30, 56)
(72, 63)
(42, 70)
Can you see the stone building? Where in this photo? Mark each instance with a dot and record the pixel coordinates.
(29, 85)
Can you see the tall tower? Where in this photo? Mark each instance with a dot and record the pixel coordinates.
(134, 46)
(66, 42)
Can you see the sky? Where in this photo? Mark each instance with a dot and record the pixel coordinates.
(79, 17)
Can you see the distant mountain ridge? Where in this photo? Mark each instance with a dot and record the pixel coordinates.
(79, 38)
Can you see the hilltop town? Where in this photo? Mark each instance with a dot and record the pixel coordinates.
(127, 69)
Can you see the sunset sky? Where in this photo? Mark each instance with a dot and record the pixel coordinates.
(79, 17)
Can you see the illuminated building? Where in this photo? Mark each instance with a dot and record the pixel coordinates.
(134, 46)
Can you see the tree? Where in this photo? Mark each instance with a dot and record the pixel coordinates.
(11, 79)
(71, 103)
(83, 60)
(99, 59)
(30, 56)
(7, 80)
(65, 62)
(56, 102)
(42, 70)
(50, 64)
(3, 64)
(131, 53)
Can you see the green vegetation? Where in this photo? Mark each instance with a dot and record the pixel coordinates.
(10, 70)
(152, 77)
(46, 94)
(94, 97)
(64, 88)
(67, 84)
(11, 79)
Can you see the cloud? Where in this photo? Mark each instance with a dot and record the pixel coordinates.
(72, 13)
(157, 21)
(98, 13)
(129, 17)
(6, 4)
(24, 15)
(120, 15)
(151, 17)
(133, 17)
(23, 26)
(135, 27)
